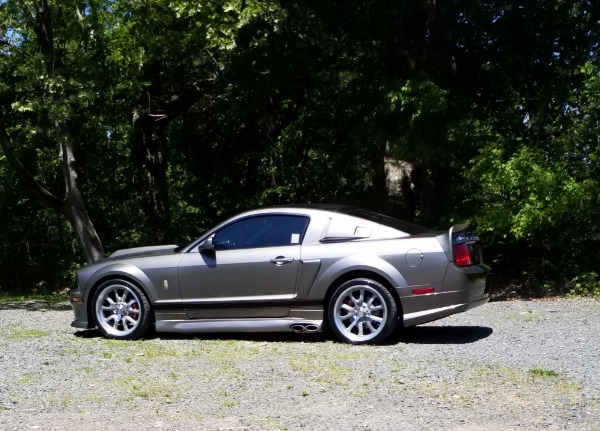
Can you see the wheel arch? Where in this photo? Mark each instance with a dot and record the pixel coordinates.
(115, 276)
(360, 273)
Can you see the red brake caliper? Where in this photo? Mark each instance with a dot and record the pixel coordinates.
(135, 307)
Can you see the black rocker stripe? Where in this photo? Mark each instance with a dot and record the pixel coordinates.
(232, 304)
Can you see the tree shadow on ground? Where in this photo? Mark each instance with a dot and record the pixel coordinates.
(35, 305)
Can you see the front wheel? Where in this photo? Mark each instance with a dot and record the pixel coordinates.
(121, 310)
(362, 311)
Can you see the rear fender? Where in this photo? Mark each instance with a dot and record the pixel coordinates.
(359, 262)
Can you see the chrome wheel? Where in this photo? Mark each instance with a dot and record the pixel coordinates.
(121, 310)
(362, 311)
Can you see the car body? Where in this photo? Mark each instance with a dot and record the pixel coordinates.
(296, 268)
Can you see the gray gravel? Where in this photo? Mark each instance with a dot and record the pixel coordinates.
(504, 366)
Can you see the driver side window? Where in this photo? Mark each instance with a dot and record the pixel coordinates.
(262, 231)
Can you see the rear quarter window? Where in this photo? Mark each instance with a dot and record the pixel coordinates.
(401, 225)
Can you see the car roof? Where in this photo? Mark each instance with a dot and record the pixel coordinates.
(362, 213)
(325, 207)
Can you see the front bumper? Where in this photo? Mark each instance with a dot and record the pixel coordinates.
(79, 307)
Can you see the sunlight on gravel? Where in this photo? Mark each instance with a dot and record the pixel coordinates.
(504, 366)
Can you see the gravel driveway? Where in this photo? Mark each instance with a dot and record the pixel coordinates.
(504, 366)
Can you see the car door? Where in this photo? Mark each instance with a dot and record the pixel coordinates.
(250, 270)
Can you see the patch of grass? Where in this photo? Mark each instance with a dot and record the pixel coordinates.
(194, 352)
(227, 402)
(398, 366)
(272, 423)
(95, 398)
(323, 370)
(300, 365)
(227, 353)
(88, 371)
(68, 401)
(28, 378)
(543, 373)
(16, 332)
(136, 389)
(142, 350)
(70, 351)
(152, 390)
(156, 351)
(496, 371)
(570, 386)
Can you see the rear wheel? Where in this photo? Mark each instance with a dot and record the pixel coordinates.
(362, 311)
(121, 310)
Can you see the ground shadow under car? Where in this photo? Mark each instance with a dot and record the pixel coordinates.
(413, 335)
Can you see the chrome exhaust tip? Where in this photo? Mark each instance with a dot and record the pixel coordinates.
(301, 328)
(312, 328)
(297, 328)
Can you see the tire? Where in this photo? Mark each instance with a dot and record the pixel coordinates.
(362, 311)
(121, 310)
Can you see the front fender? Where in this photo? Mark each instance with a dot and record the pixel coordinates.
(119, 270)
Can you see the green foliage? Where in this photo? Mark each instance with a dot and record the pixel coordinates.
(541, 195)
(525, 192)
(493, 106)
(586, 284)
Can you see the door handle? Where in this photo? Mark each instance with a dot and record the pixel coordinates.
(280, 260)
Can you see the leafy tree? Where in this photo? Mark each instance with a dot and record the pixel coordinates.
(41, 57)
(174, 114)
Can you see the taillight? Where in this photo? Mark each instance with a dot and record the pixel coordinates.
(466, 249)
(462, 257)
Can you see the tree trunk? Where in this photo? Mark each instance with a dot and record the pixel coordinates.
(149, 156)
(73, 206)
(150, 151)
(433, 184)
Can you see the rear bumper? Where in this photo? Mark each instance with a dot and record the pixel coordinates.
(80, 324)
(461, 290)
(418, 317)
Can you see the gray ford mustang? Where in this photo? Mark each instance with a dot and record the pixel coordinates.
(298, 269)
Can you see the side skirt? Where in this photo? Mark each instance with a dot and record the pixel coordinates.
(239, 325)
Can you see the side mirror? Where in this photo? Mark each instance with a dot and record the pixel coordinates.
(207, 246)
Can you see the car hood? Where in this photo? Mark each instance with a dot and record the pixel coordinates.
(155, 250)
